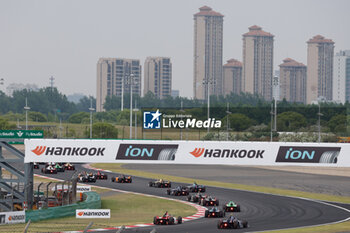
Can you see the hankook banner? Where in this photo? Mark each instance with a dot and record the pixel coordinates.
(12, 217)
(187, 152)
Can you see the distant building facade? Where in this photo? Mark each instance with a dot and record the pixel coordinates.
(341, 77)
(208, 43)
(113, 78)
(158, 76)
(232, 77)
(175, 93)
(320, 54)
(293, 81)
(258, 62)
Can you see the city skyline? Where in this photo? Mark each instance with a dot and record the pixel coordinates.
(64, 39)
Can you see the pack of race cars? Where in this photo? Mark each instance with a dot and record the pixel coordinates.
(199, 197)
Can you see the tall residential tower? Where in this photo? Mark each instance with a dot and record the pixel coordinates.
(293, 81)
(157, 76)
(258, 62)
(341, 77)
(232, 79)
(320, 53)
(113, 78)
(208, 36)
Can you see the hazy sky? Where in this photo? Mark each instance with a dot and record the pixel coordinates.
(65, 38)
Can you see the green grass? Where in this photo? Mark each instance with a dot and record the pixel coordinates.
(142, 209)
(340, 227)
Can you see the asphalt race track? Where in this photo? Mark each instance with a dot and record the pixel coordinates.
(262, 211)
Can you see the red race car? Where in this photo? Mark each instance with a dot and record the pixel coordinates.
(167, 219)
(101, 176)
(69, 167)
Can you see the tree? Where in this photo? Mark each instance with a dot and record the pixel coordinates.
(78, 117)
(103, 130)
(37, 116)
(290, 121)
(337, 123)
(239, 122)
(5, 125)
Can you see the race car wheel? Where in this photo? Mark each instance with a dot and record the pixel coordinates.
(159, 185)
(150, 184)
(155, 220)
(188, 198)
(238, 208)
(217, 203)
(113, 179)
(206, 213)
(169, 185)
(171, 221)
(130, 180)
(168, 192)
(245, 223)
(235, 225)
(219, 224)
(179, 220)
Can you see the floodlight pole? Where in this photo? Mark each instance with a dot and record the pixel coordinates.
(91, 109)
(26, 108)
(131, 79)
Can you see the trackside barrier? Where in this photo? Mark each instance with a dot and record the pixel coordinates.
(92, 200)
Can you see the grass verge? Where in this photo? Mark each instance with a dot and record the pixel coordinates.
(142, 209)
(341, 227)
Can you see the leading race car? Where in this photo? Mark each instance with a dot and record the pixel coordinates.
(69, 167)
(232, 223)
(122, 179)
(167, 219)
(178, 191)
(59, 168)
(195, 198)
(209, 201)
(195, 188)
(214, 212)
(87, 178)
(231, 207)
(160, 183)
(101, 176)
(49, 170)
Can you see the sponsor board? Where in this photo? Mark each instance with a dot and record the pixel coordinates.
(187, 152)
(93, 213)
(82, 188)
(21, 134)
(147, 151)
(12, 217)
(308, 154)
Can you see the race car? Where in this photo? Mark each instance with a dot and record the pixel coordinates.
(122, 179)
(231, 207)
(101, 176)
(87, 178)
(69, 167)
(59, 168)
(195, 188)
(178, 191)
(35, 165)
(232, 223)
(195, 198)
(167, 219)
(160, 183)
(209, 201)
(214, 212)
(49, 170)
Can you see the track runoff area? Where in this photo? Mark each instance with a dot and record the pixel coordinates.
(264, 212)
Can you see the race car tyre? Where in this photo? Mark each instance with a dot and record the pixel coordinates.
(150, 184)
(130, 181)
(219, 224)
(244, 223)
(217, 203)
(169, 185)
(159, 185)
(113, 179)
(206, 214)
(168, 192)
(155, 220)
(188, 198)
(167, 154)
(204, 202)
(179, 220)
(238, 208)
(171, 220)
(235, 225)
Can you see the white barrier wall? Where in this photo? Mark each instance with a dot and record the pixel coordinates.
(12, 217)
(187, 152)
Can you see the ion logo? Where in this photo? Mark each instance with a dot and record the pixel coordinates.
(308, 154)
(151, 120)
(197, 152)
(39, 150)
(147, 151)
